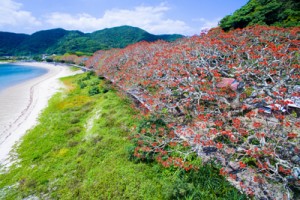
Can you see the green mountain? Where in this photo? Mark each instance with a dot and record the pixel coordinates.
(10, 41)
(60, 41)
(284, 13)
(120, 37)
(39, 42)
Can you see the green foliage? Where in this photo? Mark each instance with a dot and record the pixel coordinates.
(120, 37)
(204, 183)
(9, 42)
(79, 53)
(82, 84)
(79, 151)
(94, 90)
(39, 42)
(284, 13)
(60, 41)
(37, 58)
(92, 83)
(147, 136)
(249, 161)
(66, 159)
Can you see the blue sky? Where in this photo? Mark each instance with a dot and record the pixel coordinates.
(187, 17)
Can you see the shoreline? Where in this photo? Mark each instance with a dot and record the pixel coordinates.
(22, 64)
(21, 105)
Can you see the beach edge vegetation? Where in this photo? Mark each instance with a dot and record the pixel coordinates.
(81, 149)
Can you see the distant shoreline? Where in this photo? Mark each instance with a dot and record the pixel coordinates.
(21, 104)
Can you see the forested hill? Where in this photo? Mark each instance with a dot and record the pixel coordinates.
(60, 41)
(283, 13)
(10, 41)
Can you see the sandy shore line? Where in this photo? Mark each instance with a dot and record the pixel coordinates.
(20, 105)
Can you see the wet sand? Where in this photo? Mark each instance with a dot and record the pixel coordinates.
(20, 105)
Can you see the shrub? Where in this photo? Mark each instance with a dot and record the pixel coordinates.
(82, 85)
(94, 90)
(74, 120)
(73, 131)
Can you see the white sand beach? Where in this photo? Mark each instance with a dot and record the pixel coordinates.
(20, 105)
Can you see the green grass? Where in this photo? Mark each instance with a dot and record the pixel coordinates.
(79, 150)
(74, 68)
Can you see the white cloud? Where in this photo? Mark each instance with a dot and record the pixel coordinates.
(12, 15)
(150, 18)
(207, 24)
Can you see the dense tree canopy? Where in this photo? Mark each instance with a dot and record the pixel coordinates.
(10, 41)
(285, 13)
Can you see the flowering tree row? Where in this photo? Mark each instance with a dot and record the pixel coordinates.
(71, 59)
(234, 97)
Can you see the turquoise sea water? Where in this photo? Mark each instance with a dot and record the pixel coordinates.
(12, 74)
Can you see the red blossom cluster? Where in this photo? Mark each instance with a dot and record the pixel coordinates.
(231, 95)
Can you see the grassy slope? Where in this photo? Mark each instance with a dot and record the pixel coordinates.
(80, 151)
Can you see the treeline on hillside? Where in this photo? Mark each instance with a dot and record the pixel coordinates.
(283, 13)
(60, 41)
(233, 96)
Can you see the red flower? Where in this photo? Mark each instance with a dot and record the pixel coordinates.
(292, 135)
(233, 176)
(223, 172)
(219, 145)
(219, 123)
(257, 124)
(242, 165)
(236, 123)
